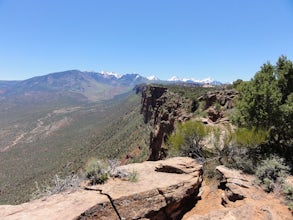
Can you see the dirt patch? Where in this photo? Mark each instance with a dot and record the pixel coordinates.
(210, 200)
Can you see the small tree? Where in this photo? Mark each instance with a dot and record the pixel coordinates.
(265, 102)
(187, 139)
(260, 99)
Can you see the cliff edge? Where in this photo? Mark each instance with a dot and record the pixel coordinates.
(161, 108)
(164, 190)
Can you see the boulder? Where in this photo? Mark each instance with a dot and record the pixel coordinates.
(237, 185)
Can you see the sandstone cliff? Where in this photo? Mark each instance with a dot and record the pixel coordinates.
(160, 109)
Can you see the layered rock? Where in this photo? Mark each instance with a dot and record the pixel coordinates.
(164, 190)
(242, 191)
(238, 198)
(161, 109)
(225, 99)
(236, 184)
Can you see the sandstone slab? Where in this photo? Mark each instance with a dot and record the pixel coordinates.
(155, 195)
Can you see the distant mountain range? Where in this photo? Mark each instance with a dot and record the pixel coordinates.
(209, 81)
(85, 85)
(74, 83)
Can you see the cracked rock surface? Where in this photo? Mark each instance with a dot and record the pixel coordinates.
(164, 190)
(237, 198)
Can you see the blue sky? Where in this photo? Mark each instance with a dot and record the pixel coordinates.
(225, 40)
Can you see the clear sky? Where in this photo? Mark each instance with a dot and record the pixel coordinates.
(222, 39)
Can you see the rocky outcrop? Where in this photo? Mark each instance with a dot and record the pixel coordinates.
(215, 114)
(225, 98)
(160, 109)
(217, 102)
(237, 185)
(237, 198)
(151, 101)
(164, 190)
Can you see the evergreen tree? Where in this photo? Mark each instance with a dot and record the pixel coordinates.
(260, 99)
(266, 102)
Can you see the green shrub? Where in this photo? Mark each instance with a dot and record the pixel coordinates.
(288, 190)
(209, 169)
(241, 158)
(194, 105)
(290, 206)
(242, 148)
(244, 137)
(133, 176)
(187, 139)
(271, 172)
(218, 107)
(96, 171)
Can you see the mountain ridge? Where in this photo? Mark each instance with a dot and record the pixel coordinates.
(69, 78)
(84, 86)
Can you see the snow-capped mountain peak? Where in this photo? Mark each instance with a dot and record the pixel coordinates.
(152, 78)
(105, 73)
(192, 80)
(174, 79)
(206, 80)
